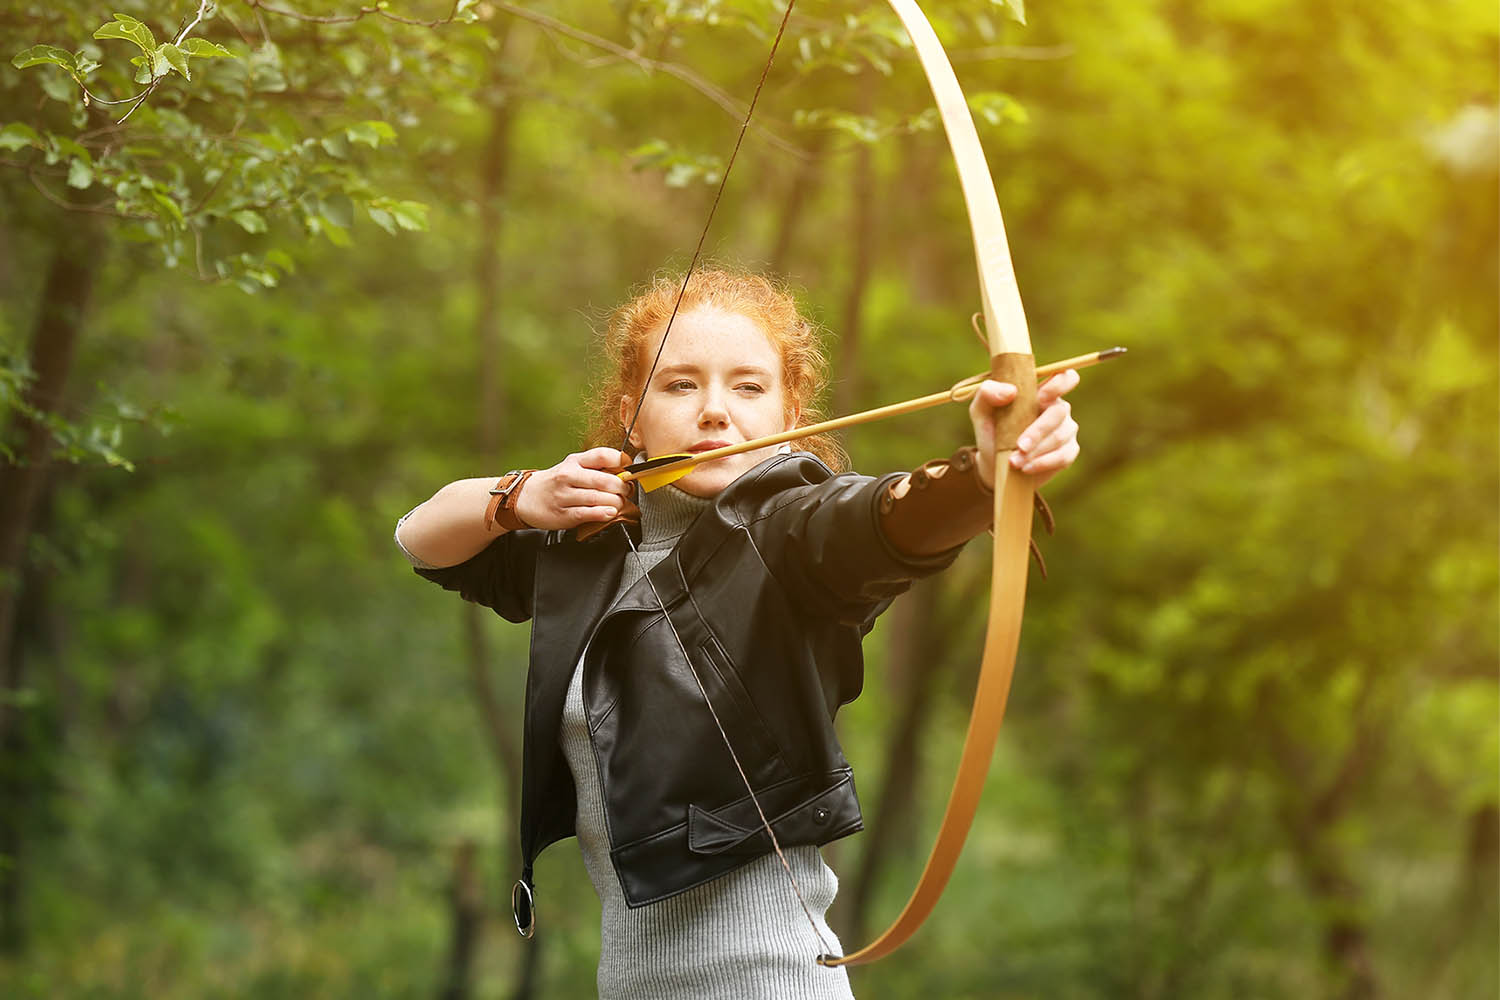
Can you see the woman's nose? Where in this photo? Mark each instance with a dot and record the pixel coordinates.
(714, 413)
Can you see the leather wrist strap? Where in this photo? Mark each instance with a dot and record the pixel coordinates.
(503, 499)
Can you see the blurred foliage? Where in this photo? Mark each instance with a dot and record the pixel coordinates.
(1256, 711)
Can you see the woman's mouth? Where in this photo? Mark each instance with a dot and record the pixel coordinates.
(702, 446)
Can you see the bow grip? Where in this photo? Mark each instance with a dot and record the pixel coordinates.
(1020, 371)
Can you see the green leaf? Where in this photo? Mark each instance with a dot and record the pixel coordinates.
(335, 145)
(997, 109)
(391, 215)
(169, 205)
(371, 133)
(80, 174)
(410, 215)
(250, 222)
(650, 150)
(159, 64)
(338, 209)
(272, 143)
(281, 259)
(126, 27)
(337, 235)
(17, 136)
(1015, 8)
(63, 146)
(681, 168)
(265, 69)
(202, 48)
(40, 55)
(385, 220)
(861, 128)
(175, 58)
(59, 88)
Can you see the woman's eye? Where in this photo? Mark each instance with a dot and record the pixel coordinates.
(679, 385)
(751, 388)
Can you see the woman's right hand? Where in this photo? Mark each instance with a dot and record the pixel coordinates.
(582, 488)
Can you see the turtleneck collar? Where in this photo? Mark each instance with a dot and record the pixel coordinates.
(666, 513)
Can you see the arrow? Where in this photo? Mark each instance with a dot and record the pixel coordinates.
(657, 472)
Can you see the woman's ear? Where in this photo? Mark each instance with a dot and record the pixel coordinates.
(627, 405)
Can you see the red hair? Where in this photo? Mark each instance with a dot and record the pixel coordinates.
(632, 329)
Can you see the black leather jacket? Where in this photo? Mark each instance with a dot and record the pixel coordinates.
(770, 591)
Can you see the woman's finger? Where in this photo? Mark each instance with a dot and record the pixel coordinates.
(1050, 420)
(602, 458)
(583, 515)
(990, 397)
(1053, 461)
(1057, 386)
(1060, 437)
(591, 498)
(601, 482)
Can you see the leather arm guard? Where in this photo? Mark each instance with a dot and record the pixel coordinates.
(942, 504)
(939, 505)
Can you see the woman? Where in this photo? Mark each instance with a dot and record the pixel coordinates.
(668, 742)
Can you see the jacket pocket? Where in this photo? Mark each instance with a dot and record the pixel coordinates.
(743, 725)
(797, 815)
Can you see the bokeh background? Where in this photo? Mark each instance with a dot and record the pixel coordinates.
(331, 260)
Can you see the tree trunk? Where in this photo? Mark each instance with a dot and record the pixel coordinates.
(804, 184)
(466, 915)
(1481, 857)
(26, 748)
(1309, 821)
(862, 227)
(65, 295)
(498, 722)
(494, 171)
(915, 648)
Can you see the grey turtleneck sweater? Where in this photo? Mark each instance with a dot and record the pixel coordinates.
(740, 937)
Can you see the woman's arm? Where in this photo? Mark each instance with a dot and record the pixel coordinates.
(451, 527)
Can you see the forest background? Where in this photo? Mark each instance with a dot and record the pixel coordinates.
(335, 256)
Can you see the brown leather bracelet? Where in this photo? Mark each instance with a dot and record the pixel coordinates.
(503, 499)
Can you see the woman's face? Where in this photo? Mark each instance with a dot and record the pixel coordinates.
(718, 382)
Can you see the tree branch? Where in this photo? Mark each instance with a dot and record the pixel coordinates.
(554, 26)
(703, 86)
(359, 15)
(96, 209)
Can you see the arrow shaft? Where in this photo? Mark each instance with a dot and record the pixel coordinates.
(961, 391)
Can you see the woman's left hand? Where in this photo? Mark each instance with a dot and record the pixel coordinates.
(1045, 448)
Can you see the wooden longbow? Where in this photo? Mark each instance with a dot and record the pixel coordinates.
(1011, 360)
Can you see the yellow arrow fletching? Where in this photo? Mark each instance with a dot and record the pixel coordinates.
(656, 480)
(649, 479)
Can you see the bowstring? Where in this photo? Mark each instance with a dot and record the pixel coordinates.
(703, 236)
(625, 443)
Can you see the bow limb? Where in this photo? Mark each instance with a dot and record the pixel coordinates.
(1011, 360)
